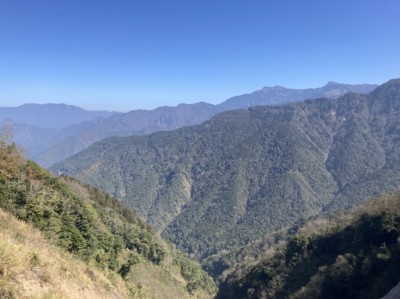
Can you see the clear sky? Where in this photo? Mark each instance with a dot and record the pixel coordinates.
(123, 55)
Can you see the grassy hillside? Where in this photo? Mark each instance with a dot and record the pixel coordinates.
(96, 229)
(353, 255)
(246, 173)
(30, 267)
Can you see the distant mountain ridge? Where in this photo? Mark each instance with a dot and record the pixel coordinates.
(245, 173)
(49, 115)
(137, 122)
(70, 140)
(277, 95)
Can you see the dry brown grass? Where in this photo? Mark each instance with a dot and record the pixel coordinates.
(32, 268)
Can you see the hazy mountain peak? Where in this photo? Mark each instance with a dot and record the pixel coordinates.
(392, 87)
(49, 115)
(393, 82)
(270, 88)
(50, 106)
(332, 83)
(281, 95)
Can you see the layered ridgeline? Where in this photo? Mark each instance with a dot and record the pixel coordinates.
(137, 122)
(49, 145)
(349, 256)
(249, 172)
(89, 245)
(37, 127)
(278, 95)
(41, 129)
(54, 116)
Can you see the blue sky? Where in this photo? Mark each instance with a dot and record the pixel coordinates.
(124, 55)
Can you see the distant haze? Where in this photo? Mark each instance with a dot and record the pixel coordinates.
(48, 115)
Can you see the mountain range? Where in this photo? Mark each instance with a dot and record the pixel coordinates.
(51, 133)
(245, 173)
(272, 200)
(54, 116)
(277, 95)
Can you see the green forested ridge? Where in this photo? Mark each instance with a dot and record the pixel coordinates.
(246, 173)
(31, 127)
(353, 255)
(98, 229)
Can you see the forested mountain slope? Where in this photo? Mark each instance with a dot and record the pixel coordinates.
(115, 252)
(348, 256)
(248, 172)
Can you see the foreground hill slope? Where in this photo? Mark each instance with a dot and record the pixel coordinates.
(353, 255)
(32, 268)
(91, 230)
(247, 172)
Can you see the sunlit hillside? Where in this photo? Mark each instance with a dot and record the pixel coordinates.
(351, 255)
(90, 245)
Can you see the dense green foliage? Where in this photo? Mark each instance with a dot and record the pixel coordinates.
(354, 256)
(246, 173)
(85, 221)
